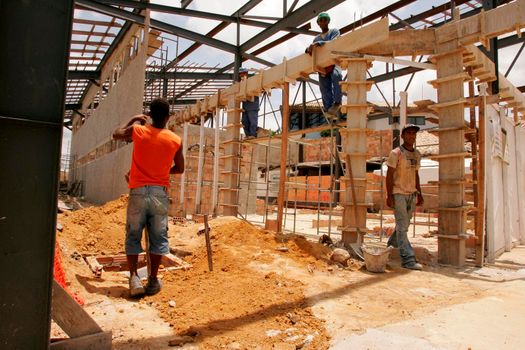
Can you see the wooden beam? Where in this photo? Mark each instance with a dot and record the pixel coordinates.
(216, 148)
(183, 175)
(70, 316)
(97, 341)
(302, 65)
(480, 214)
(284, 154)
(409, 63)
(407, 42)
(200, 165)
(485, 25)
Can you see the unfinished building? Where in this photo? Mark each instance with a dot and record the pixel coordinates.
(474, 130)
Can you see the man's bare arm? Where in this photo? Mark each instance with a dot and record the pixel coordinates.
(178, 168)
(390, 186)
(420, 199)
(125, 131)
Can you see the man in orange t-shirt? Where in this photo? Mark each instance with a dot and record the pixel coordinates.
(157, 153)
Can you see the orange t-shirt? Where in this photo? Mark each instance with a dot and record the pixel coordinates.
(153, 153)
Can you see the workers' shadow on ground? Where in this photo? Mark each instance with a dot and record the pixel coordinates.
(472, 273)
(219, 327)
(113, 291)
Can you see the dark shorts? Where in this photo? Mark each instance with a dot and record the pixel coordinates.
(147, 208)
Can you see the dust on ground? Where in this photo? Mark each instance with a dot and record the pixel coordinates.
(266, 291)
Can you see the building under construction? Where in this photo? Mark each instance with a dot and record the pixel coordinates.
(273, 209)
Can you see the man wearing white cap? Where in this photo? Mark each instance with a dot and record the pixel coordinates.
(404, 192)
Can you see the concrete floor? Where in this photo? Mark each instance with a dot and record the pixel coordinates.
(492, 322)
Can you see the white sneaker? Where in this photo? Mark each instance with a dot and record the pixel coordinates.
(135, 286)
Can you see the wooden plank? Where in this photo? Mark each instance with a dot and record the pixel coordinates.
(97, 341)
(298, 66)
(284, 155)
(182, 201)
(480, 233)
(398, 61)
(485, 25)
(216, 149)
(200, 165)
(70, 316)
(94, 265)
(404, 43)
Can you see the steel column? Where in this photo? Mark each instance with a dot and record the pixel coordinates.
(32, 91)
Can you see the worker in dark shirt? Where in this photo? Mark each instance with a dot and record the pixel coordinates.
(250, 114)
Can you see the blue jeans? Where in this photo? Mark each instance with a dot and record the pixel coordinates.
(249, 122)
(403, 209)
(330, 88)
(147, 208)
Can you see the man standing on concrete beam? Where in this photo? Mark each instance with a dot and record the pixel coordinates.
(403, 188)
(250, 113)
(332, 75)
(157, 153)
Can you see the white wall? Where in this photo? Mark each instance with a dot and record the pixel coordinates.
(504, 184)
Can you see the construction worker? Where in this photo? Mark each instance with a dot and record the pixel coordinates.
(404, 193)
(329, 80)
(157, 153)
(250, 114)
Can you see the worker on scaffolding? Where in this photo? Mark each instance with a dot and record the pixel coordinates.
(157, 153)
(404, 193)
(332, 75)
(250, 114)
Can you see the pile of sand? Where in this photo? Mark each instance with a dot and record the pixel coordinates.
(95, 230)
(237, 306)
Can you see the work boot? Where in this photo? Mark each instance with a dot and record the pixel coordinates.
(413, 266)
(135, 286)
(334, 110)
(153, 286)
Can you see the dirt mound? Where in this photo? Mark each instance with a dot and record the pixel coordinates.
(237, 306)
(96, 230)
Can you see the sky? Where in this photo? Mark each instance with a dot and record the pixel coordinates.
(341, 15)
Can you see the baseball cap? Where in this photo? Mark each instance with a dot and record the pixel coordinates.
(243, 70)
(410, 126)
(323, 15)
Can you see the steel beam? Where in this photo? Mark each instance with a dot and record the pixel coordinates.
(241, 11)
(162, 26)
(294, 19)
(189, 75)
(185, 3)
(376, 15)
(83, 75)
(193, 13)
(32, 91)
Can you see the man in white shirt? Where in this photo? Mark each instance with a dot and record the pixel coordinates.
(404, 192)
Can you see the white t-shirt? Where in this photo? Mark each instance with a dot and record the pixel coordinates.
(406, 163)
